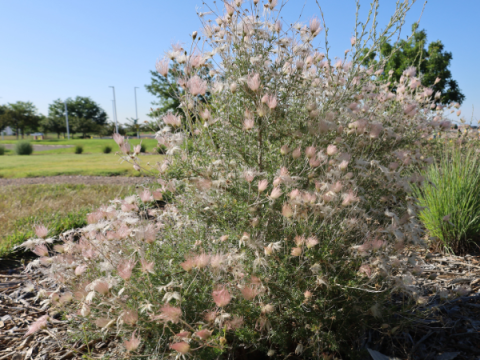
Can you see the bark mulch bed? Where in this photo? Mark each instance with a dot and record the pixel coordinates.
(443, 329)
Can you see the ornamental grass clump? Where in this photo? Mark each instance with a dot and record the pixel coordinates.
(451, 201)
(286, 198)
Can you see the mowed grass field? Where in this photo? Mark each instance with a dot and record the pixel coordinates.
(65, 162)
(59, 207)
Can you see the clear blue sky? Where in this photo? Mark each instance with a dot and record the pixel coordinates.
(52, 49)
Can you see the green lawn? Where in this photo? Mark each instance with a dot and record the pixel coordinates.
(91, 146)
(98, 164)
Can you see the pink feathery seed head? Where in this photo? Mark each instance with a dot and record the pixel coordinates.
(376, 130)
(272, 102)
(181, 347)
(297, 153)
(210, 316)
(248, 124)
(216, 261)
(221, 297)
(201, 261)
(331, 150)
(410, 72)
(137, 149)
(102, 287)
(162, 67)
(170, 313)
(377, 244)
(353, 41)
(264, 99)
(262, 185)
(204, 334)
(146, 196)
(172, 120)
(459, 112)
(197, 86)
(157, 194)
(393, 166)
(41, 250)
(249, 293)
(287, 211)
(253, 81)
(119, 139)
(249, 175)
(311, 242)
(125, 147)
(39, 324)
(188, 264)
(233, 88)
(278, 26)
(205, 114)
(284, 150)
(336, 187)
(125, 269)
(294, 193)
(41, 231)
(284, 171)
(310, 151)
(276, 193)
(229, 8)
(147, 266)
(296, 251)
(224, 238)
(133, 343)
(299, 240)
(314, 162)
(184, 335)
(80, 269)
(349, 199)
(437, 80)
(150, 234)
(130, 317)
(365, 269)
(277, 181)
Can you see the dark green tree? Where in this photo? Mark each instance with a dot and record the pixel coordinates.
(55, 124)
(80, 108)
(167, 90)
(22, 116)
(83, 126)
(431, 62)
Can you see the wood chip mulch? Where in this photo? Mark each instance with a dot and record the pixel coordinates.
(19, 307)
(443, 329)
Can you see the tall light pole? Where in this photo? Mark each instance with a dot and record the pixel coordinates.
(66, 118)
(136, 112)
(115, 109)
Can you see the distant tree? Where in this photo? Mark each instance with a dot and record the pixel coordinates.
(109, 129)
(166, 90)
(83, 126)
(4, 121)
(431, 63)
(55, 124)
(22, 116)
(79, 108)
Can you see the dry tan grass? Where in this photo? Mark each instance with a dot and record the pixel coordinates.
(57, 206)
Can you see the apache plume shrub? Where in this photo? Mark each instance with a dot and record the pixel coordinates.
(286, 198)
(23, 148)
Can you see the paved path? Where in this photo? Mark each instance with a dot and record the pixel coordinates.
(41, 147)
(77, 179)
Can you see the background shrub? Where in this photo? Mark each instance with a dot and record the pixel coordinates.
(107, 149)
(78, 149)
(143, 148)
(2, 150)
(23, 148)
(161, 149)
(450, 195)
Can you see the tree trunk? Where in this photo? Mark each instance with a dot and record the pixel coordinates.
(58, 136)
(16, 125)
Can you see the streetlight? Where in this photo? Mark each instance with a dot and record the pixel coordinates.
(136, 112)
(66, 118)
(115, 109)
